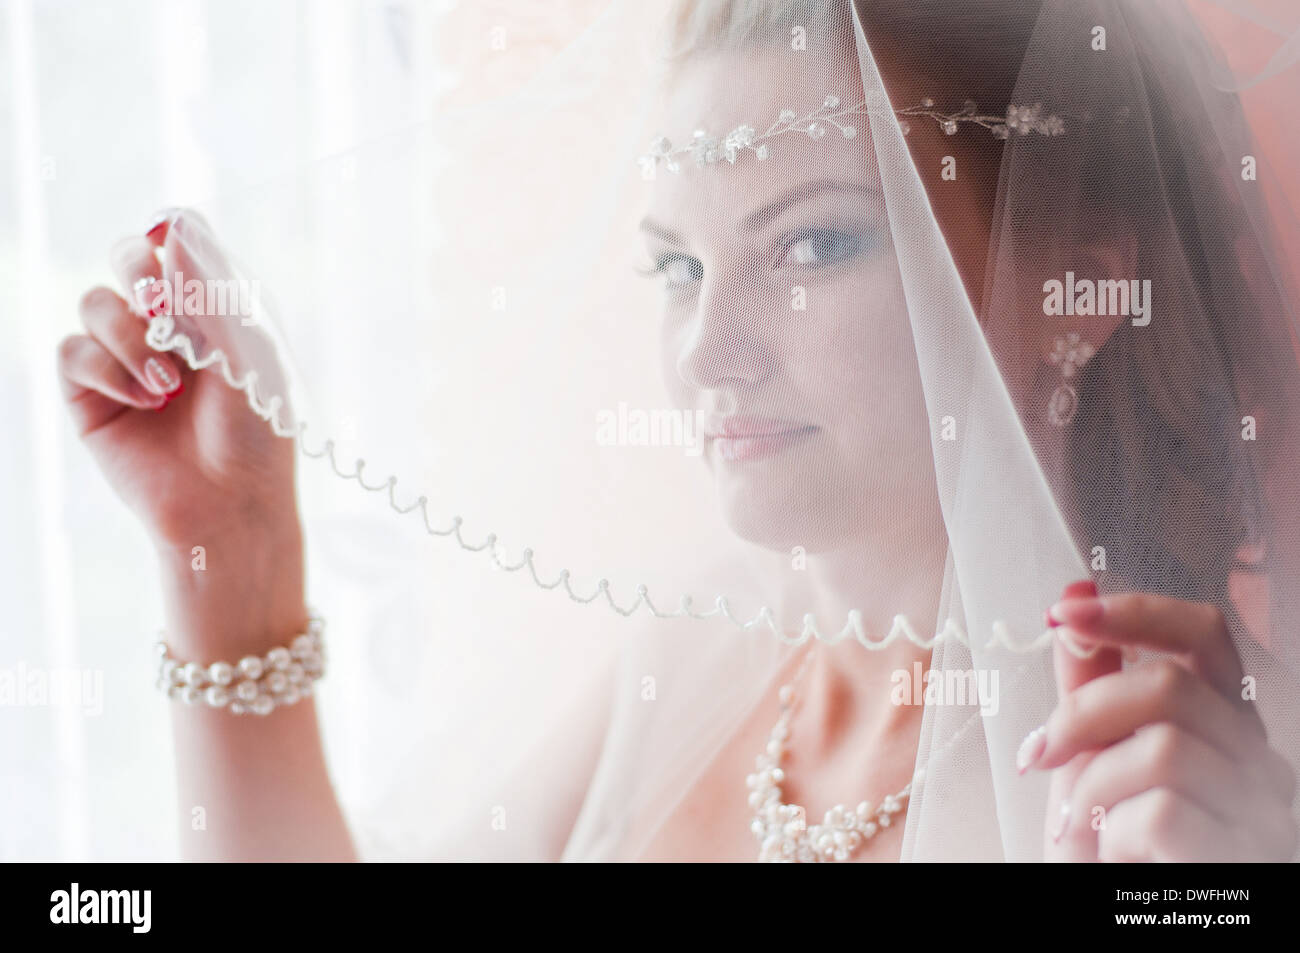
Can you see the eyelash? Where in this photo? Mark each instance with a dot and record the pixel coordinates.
(856, 240)
(662, 262)
(859, 243)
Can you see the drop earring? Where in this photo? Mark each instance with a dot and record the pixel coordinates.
(1071, 353)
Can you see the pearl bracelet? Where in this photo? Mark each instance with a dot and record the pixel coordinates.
(254, 685)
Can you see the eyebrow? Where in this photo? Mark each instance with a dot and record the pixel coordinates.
(766, 213)
(651, 227)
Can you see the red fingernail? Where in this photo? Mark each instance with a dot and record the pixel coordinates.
(157, 225)
(1080, 590)
(170, 397)
(151, 296)
(140, 292)
(162, 375)
(1049, 621)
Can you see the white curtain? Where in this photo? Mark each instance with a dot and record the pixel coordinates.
(109, 111)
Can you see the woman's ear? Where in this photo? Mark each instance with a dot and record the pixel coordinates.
(1097, 291)
(1113, 260)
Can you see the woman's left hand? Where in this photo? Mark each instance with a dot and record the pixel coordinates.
(1161, 761)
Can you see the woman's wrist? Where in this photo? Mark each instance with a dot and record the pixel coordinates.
(237, 593)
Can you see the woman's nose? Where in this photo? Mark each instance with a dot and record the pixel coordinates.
(729, 340)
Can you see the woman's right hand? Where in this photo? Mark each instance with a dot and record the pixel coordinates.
(194, 464)
(203, 470)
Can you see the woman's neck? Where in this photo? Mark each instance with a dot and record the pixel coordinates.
(898, 571)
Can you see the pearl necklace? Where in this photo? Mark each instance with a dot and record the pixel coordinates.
(782, 829)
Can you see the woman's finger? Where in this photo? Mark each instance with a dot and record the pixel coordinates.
(156, 232)
(1167, 756)
(1163, 826)
(111, 323)
(135, 263)
(1073, 670)
(212, 302)
(97, 386)
(1113, 707)
(1196, 632)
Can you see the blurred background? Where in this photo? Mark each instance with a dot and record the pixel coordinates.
(110, 111)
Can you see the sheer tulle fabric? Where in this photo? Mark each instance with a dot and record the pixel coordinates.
(520, 587)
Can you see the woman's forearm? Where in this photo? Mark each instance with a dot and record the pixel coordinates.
(250, 787)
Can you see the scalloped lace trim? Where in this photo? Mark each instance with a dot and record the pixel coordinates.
(161, 336)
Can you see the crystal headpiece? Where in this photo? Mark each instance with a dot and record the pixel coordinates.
(706, 149)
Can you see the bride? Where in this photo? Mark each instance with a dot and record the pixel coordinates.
(850, 262)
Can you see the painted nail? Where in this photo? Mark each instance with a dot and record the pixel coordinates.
(150, 296)
(1031, 749)
(147, 397)
(162, 376)
(158, 222)
(140, 294)
(166, 401)
(1083, 589)
(1063, 823)
(1076, 611)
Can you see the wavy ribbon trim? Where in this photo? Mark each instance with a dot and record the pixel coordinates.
(162, 336)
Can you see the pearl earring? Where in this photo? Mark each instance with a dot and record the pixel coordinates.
(1071, 353)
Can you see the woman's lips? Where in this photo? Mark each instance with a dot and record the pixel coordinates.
(738, 439)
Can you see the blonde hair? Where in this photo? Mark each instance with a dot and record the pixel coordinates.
(700, 26)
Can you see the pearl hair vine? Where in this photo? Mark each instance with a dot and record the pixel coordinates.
(709, 150)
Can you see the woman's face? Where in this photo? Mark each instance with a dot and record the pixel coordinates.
(784, 319)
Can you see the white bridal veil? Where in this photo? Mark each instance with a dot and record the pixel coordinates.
(1004, 274)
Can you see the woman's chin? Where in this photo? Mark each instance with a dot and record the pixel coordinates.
(778, 517)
